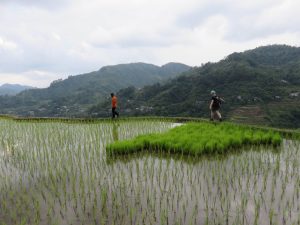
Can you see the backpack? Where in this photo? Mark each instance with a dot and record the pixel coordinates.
(216, 102)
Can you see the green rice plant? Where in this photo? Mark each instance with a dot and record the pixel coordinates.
(276, 139)
(61, 173)
(197, 139)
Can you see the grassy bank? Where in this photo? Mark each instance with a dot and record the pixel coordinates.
(197, 139)
(285, 132)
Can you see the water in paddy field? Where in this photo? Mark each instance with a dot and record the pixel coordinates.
(58, 173)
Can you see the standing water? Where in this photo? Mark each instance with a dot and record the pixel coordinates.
(58, 173)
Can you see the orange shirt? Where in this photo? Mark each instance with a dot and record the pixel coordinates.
(114, 102)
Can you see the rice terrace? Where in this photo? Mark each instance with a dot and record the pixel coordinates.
(147, 171)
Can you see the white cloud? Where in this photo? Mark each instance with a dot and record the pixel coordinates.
(56, 36)
(47, 4)
(7, 45)
(72, 37)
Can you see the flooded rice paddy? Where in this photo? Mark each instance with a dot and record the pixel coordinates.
(58, 173)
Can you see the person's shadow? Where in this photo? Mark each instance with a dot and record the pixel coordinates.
(115, 132)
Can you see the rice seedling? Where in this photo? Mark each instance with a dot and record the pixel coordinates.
(197, 139)
(59, 172)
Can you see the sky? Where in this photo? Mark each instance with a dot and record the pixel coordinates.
(45, 40)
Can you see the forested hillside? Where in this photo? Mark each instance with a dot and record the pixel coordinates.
(260, 86)
(72, 96)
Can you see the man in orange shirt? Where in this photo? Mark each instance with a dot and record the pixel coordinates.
(114, 105)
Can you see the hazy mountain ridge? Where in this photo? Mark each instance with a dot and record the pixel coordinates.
(260, 86)
(13, 89)
(75, 93)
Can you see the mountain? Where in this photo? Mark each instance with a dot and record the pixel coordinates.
(72, 96)
(13, 89)
(260, 86)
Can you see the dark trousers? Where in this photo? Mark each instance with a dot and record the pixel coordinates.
(114, 112)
